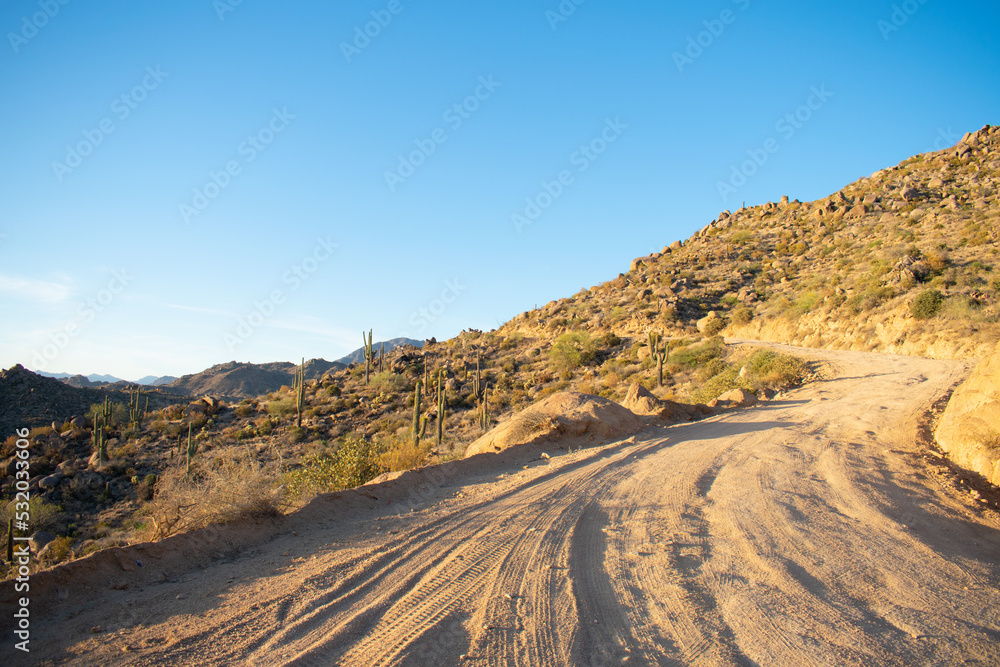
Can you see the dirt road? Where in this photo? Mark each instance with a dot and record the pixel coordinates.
(801, 532)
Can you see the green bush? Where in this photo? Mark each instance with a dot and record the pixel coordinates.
(282, 408)
(717, 385)
(572, 350)
(927, 304)
(355, 462)
(775, 370)
(389, 382)
(697, 355)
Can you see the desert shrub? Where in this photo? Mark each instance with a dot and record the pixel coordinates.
(571, 350)
(355, 462)
(282, 407)
(802, 305)
(227, 487)
(867, 301)
(401, 453)
(388, 382)
(244, 410)
(714, 326)
(333, 390)
(938, 261)
(717, 385)
(775, 370)
(512, 341)
(41, 514)
(927, 304)
(697, 355)
(741, 315)
(609, 339)
(59, 549)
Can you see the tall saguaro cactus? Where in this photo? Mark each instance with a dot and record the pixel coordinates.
(192, 449)
(135, 413)
(477, 379)
(369, 353)
(441, 408)
(100, 445)
(484, 411)
(300, 392)
(416, 415)
(659, 354)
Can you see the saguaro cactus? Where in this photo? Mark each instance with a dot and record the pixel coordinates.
(659, 354)
(369, 353)
(441, 407)
(100, 446)
(416, 415)
(477, 379)
(300, 392)
(192, 449)
(135, 414)
(484, 408)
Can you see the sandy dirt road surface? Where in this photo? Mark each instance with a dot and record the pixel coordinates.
(805, 531)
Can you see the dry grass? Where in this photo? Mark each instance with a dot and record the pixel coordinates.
(229, 486)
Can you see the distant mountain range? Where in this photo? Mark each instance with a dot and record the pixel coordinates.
(97, 380)
(359, 354)
(232, 379)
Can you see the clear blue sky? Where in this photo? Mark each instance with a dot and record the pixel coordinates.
(116, 113)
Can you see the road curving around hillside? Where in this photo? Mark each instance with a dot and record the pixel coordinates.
(804, 531)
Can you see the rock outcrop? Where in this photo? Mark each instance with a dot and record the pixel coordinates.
(969, 430)
(641, 401)
(567, 414)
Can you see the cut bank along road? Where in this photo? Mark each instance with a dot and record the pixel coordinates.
(801, 532)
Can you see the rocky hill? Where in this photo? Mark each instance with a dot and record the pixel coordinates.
(902, 261)
(31, 400)
(243, 380)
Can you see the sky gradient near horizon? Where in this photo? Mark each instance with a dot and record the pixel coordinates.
(195, 182)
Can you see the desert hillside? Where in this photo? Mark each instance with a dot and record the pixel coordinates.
(901, 262)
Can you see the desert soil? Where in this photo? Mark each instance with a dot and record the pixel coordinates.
(805, 531)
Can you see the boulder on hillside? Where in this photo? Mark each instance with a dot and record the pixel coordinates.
(968, 430)
(737, 398)
(641, 401)
(567, 414)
